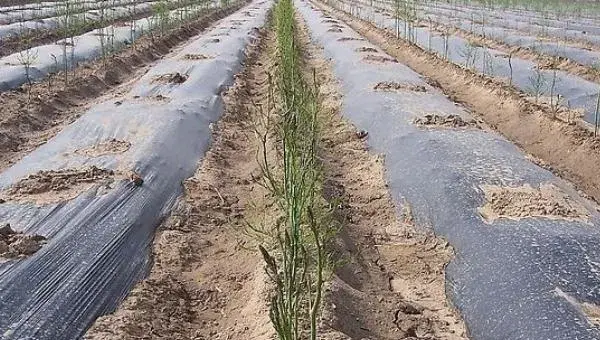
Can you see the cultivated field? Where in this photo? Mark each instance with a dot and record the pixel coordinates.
(299, 169)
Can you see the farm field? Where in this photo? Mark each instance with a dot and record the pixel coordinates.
(299, 169)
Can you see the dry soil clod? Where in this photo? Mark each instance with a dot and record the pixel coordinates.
(525, 202)
(14, 244)
(171, 78)
(136, 179)
(394, 86)
(111, 146)
(57, 180)
(191, 56)
(367, 49)
(448, 121)
(350, 39)
(379, 59)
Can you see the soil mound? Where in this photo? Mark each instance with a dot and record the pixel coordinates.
(14, 244)
(450, 121)
(525, 201)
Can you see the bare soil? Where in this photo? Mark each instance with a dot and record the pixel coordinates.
(567, 149)
(111, 146)
(367, 49)
(391, 283)
(525, 201)
(378, 59)
(447, 121)
(49, 186)
(391, 86)
(196, 57)
(15, 244)
(171, 78)
(589, 310)
(33, 114)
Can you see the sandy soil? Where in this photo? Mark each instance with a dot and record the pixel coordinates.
(25, 123)
(433, 120)
(392, 86)
(568, 150)
(391, 283)
(525, 201)
(207, 281)
(112, 146)
(14, 244)
(53, 186)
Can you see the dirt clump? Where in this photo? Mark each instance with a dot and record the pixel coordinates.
(335, 29)
(447, 121)
(190, 56)
(15, 244)
(379, 59)
(350, 39)
(171, 78)
(48, 186)
(525, 201)
(394, 86)
(367, 49)
(111, 146)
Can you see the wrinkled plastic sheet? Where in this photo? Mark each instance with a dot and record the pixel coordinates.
(98, 243)
(562, 20)
(19, 28)
(568, 31)
(515, 38)
(44, 10)
(47, 59)
(575, 92)
(506, 276)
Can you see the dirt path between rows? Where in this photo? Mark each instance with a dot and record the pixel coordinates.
(568, 150)
(32, 115)
(208, 280)
(392, 283)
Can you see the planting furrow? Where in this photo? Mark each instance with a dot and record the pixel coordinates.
(525, 240)
(35, 63)
(568, 96)
(114, 175)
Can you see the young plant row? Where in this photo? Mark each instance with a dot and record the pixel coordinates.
(296, 255)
